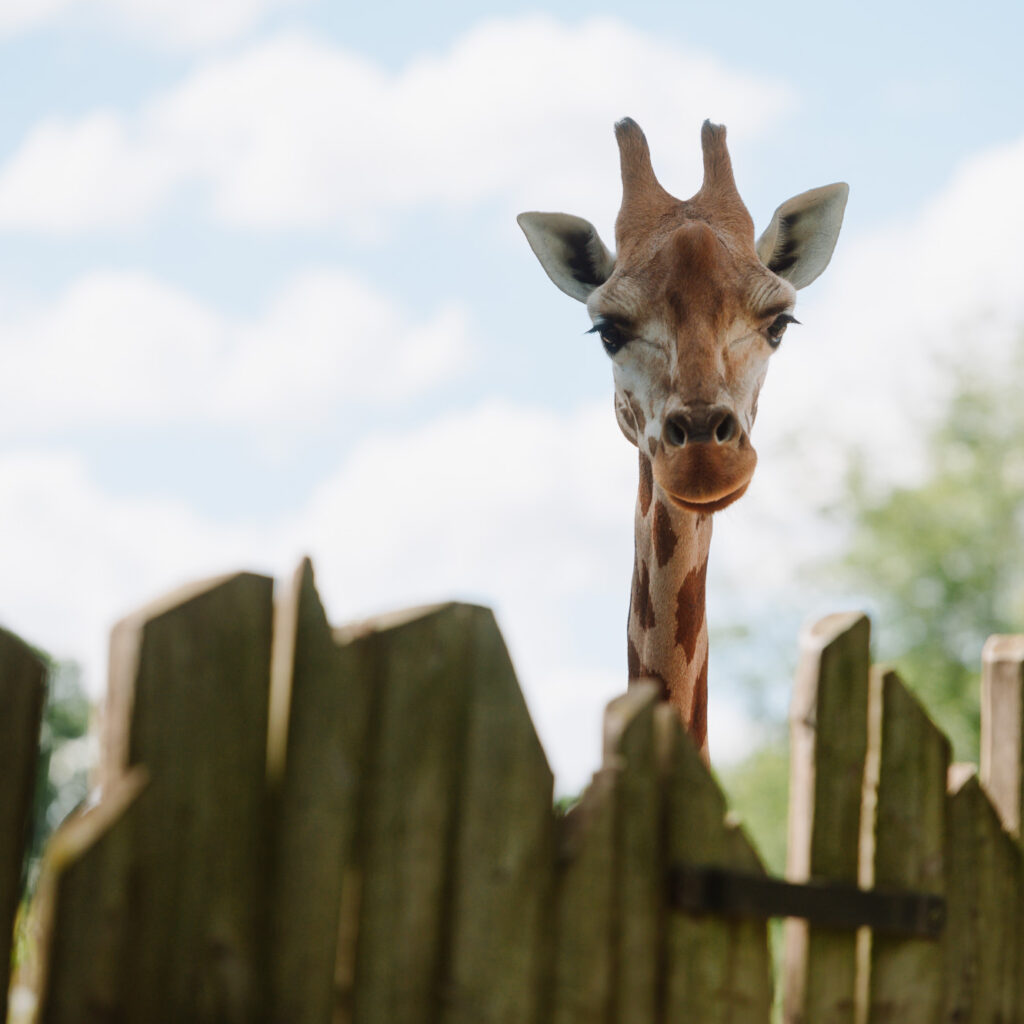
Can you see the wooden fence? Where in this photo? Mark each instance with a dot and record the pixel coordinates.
(305, 825)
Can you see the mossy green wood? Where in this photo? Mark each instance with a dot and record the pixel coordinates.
(718, 970)
(906, 984)
(972, 941)
(22, 695)
(585, 891)
(80, 914)
(502, 889)
(320, 698)
(610, 891)
(1002, 726)
(423, 665)
(640, 893)
(188, 701)
(828, 744)
(1007, 878)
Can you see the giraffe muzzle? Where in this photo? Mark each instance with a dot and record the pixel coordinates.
(702, 424)
(706, 460)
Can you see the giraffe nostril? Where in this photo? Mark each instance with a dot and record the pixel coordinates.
(675, 432)
(726, 429)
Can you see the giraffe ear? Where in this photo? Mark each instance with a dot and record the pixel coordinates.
(570, 250)
(799, 242)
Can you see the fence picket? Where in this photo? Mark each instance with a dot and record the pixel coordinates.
(1002, 726)
(718, 970)
(188, 701)
(585, 891)
(906, 983)
(828, 744)
(640, 894)
(973, 943)
(420, 668)
(355, 825)
(501, 914)
(80, 916)
(22, 694)
(1007, 882)
(320, 699)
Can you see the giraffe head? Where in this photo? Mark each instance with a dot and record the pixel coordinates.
(690, 309)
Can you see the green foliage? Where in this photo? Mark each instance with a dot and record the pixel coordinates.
(941, 562)
(944, 561)
(62, 776)
(758, 791)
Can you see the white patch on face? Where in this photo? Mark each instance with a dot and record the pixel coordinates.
(745, 356)
(646, 378)
(656, 371)
(641, 377)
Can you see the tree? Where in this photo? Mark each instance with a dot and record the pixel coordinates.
(941, 565)
(943, 562)
(62, 776)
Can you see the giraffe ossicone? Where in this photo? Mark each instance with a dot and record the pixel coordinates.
(689, 308)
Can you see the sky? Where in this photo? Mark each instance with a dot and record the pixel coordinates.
(262, 294)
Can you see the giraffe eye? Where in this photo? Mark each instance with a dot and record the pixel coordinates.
(778, 328)
(613, 338)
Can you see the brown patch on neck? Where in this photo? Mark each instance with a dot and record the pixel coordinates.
(690, 610)
(699, 707)
(638, 672)
(646, 484)
(664, 536)
(641, 605)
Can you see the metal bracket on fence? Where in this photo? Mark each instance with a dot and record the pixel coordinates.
(709, 890)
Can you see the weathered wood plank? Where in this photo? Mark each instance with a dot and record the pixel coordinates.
(320, 702)
(828, 744)
(718, 971)
(22, 695)
(640, 893)
(610, 888)
(80, 915)
(1002, 726)
(585, 891)
(421, 667)
(188, 700)
(1008, 905)
(972, 941)
(910, 825)
(501, 916)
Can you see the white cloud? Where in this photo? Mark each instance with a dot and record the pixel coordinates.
(122, 347)
(73, 558)
(169, 23)
(524, 510)
(18, 15)
(294, 132)
(481, 505)
(898, 314)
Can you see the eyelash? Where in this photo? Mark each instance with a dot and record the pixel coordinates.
(778, 328)
(613, 339)
(611, 336)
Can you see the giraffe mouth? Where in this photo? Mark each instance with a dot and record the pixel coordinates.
(707, 507)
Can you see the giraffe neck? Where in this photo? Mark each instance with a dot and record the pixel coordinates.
(668, 636)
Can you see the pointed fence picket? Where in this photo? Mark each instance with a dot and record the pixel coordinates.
(306, 824)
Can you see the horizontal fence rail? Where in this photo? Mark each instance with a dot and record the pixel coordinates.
(296, 823)
(713, 890)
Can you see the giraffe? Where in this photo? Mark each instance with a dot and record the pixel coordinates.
(690, 309)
